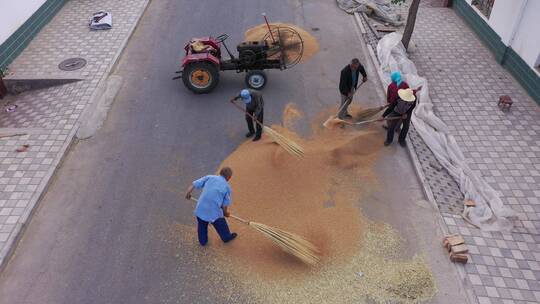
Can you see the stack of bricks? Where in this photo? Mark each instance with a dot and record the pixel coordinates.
(457, 250)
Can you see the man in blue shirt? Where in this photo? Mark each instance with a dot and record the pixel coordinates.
(212, 205)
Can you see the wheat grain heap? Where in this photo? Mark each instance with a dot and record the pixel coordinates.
(315, 197)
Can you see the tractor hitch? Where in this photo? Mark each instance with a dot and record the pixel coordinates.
(179, 76)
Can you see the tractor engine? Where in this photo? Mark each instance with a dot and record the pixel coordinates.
(252, 53)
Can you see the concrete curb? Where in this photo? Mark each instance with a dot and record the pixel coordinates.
(419, 173)
(11, 244)
(95, 113)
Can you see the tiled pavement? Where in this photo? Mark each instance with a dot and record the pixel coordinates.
(53, 114)
(504, 147)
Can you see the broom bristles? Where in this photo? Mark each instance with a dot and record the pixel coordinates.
(333, 121)
(367, 113)
(287, 144)
(290, 242)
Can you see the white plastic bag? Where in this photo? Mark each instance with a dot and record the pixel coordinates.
(101, 21)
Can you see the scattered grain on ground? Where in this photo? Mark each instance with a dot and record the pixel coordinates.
(291, 114)
(315, 197)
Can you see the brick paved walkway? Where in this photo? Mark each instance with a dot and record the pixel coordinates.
(54, 113)
(465, 83)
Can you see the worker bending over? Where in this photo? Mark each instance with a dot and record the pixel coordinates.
(255, 107)
(212, 205)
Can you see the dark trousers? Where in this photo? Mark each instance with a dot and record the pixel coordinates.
(221, 227)
(250, 123)
(393, 124)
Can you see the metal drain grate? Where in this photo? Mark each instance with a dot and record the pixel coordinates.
(443, 186)
(72, 64)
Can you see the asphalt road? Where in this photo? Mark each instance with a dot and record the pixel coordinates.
(95, 237)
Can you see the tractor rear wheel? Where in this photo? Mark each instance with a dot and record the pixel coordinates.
(200, 77)
(256, 79)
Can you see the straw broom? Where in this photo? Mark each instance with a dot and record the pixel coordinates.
(367, 113)
(331, 122)
(288, 242)
(286, 143)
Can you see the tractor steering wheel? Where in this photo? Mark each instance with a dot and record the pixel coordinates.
(222, 38)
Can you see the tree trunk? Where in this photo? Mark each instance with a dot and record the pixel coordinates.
(3, 90)
(409, 27)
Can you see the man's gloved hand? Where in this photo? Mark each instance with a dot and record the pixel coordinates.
(226, 213)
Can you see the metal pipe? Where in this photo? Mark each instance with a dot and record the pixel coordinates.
(268, 25)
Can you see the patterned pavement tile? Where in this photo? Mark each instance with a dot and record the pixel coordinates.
(504, 147)
(501, 146)
(53, 112)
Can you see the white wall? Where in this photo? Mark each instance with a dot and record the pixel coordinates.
(13, 14)
(527, 40)
(504, 17)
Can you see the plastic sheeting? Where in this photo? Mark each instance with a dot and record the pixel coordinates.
(490, 214)
(380, 10)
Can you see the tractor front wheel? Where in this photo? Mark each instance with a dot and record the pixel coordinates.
(200, 77)
(256, 79)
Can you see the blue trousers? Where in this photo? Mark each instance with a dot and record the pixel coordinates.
(221, 227)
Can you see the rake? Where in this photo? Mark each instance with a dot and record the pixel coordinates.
(286, 143)
(288, 242)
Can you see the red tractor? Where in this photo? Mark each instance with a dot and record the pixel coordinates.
(281, 48)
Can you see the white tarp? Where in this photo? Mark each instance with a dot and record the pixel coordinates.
(380, 10)
(490, 214)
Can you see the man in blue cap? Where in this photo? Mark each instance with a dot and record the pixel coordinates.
(212, 205)
(254, 106)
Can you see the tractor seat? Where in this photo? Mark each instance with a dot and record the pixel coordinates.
(199, 47)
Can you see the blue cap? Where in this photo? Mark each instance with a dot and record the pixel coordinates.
(246, 96)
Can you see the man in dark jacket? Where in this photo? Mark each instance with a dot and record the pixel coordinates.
(348, 83)
(254, 106)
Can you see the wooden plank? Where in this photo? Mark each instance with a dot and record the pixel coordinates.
(386, 29)
(469, 203)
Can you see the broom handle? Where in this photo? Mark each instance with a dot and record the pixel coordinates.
(230, 215)
(343, 105)
(368, 121)
(239, 219)
(245, 112)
